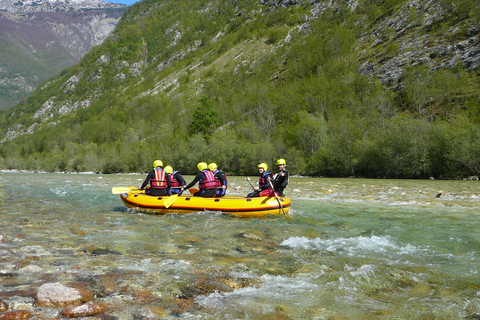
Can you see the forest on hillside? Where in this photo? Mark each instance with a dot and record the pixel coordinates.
(250, 95)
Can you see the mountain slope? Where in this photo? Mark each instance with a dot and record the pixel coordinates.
(358, 88)
(38, 39)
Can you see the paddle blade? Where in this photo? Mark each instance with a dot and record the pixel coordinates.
(120, 190)
(193, 190)
(170, 200)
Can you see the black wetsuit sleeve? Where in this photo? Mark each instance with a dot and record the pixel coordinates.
(281, 182)
(149, 177)
(179, 178)
(222, 177)
(199, 176)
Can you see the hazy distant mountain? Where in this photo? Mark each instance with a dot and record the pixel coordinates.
(40, 38)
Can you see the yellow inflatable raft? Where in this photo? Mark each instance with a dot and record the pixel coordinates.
(238, 206)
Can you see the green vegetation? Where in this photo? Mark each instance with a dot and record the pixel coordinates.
(189, 81)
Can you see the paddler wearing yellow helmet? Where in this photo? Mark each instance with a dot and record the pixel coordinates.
(176, 180)
(263, 188)
(157, 178)
(206, 182)
(280, 181)
(220, 179)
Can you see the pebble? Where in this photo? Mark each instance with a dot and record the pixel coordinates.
(84, 310)
(60, 295)
(3, 306)
(15, 315)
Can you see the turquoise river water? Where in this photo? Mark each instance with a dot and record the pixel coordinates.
(349, 249)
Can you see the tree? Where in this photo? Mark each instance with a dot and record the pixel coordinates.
(205, 120)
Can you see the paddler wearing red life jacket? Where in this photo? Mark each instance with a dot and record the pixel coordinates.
(157, 178)
(206, 182)
(263, 189)
(220, 179)
(176, 180)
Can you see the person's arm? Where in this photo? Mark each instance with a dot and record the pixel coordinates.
(267, 184)
(281, 179)
(180, 179)
(168, 180)
(197, 178)
(285, 179)
(147, 180)
(222, 177)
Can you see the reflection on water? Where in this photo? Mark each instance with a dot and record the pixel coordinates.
(351, 249)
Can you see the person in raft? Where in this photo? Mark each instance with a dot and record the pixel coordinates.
(220, 179)
(280, 181)
(206, 182)
(263, 189)
(176, 180)
(159, 184)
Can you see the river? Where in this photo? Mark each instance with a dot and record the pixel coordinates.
(349, 249)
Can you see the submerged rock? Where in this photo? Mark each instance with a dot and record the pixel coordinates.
(15, 315)
(3, 306)
(254, 235)
(84, 310)
(60, 295)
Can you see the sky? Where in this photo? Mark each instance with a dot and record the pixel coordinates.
(127, 2)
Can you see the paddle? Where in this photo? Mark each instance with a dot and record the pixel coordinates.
(120, 190)
(276, 197)
(248, 179)
(171, 200)
(193, 190)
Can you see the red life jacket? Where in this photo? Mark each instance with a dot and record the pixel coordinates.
(209, 182)
(261, 180)
(219, 182)
(160, 181)
(173, 182)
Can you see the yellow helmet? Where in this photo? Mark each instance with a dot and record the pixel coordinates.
(263, 166)
(157, 163)
(168, 169)
(281, 161)
(212, 166)
(202, 166)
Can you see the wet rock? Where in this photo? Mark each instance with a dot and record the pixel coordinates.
(21, 303)
(21, 293)
(108, 283)
(84, 310)
(145, 297)
(146, 314)
(103, 251)
(159, 312)
(184, 304)
(250, 235)
(15, 315)
(3, 238)
(205, 287)
(3, 306)
(60, 295)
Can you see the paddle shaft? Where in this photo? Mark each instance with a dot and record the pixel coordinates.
(276, 197)
(120, 190)
(248, 179)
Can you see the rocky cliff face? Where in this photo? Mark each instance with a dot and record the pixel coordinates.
(40, 38)
(422, 32)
